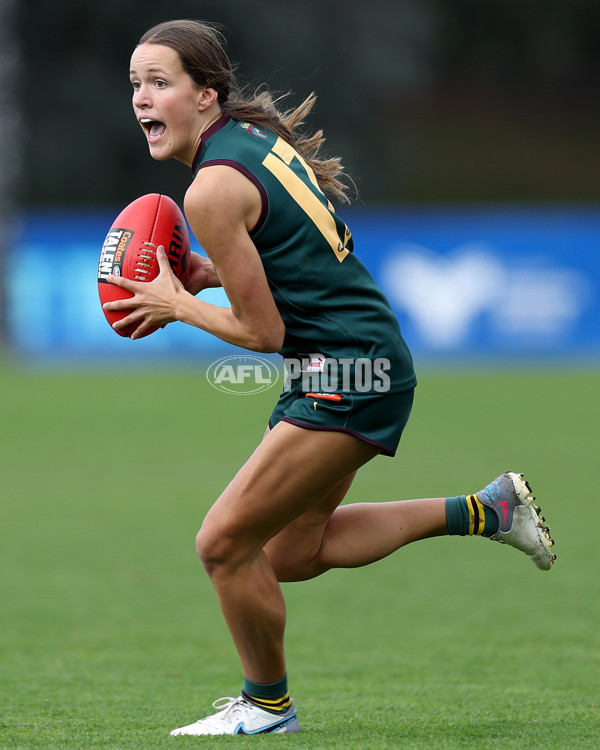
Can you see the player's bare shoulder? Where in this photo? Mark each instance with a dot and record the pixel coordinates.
(222, 193)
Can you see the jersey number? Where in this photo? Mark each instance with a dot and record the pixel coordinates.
(277, 161)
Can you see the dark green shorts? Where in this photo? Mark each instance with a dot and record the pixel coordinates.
(377, 418)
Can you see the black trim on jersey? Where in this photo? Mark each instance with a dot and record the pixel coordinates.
(264, 199)
(220, 123)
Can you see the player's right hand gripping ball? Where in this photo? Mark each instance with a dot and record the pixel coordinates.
(129, 249)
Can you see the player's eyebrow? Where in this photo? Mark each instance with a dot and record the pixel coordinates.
(133, 72)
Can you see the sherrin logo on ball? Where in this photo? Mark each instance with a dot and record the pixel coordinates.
(129, 249)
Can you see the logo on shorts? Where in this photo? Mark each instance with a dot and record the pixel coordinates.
(242, 375)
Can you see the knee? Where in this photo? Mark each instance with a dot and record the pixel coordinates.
(212, 547)
(220, 548)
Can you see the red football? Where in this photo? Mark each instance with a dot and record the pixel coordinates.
(129, 249)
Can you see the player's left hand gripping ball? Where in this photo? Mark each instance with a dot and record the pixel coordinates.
(129, 249)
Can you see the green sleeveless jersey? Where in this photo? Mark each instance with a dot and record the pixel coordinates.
(327, 299)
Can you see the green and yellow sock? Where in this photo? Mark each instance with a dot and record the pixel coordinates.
(273, 697)
(466, 515)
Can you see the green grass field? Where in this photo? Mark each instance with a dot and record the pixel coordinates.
(110, 635)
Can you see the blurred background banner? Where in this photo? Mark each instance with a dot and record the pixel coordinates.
(500, 281)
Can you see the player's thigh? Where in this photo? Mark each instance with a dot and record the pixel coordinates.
(292, 471)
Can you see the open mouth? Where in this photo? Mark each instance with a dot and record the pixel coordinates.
(154, 129)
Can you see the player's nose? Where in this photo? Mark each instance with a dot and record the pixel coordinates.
(141, 97)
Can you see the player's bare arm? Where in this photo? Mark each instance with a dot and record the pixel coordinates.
(222, 207)
(202, 274)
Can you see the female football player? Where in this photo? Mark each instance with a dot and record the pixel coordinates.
(259, 205)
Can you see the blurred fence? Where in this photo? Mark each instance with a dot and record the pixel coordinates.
(483, 282)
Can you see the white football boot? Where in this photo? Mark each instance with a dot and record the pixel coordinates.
(238, 716)
(520, 522)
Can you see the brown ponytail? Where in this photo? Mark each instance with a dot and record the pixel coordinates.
(200, 47)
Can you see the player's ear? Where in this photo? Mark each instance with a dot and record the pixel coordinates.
(206, 98)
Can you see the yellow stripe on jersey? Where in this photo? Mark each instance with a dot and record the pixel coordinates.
(277, 162)
(287, 153)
